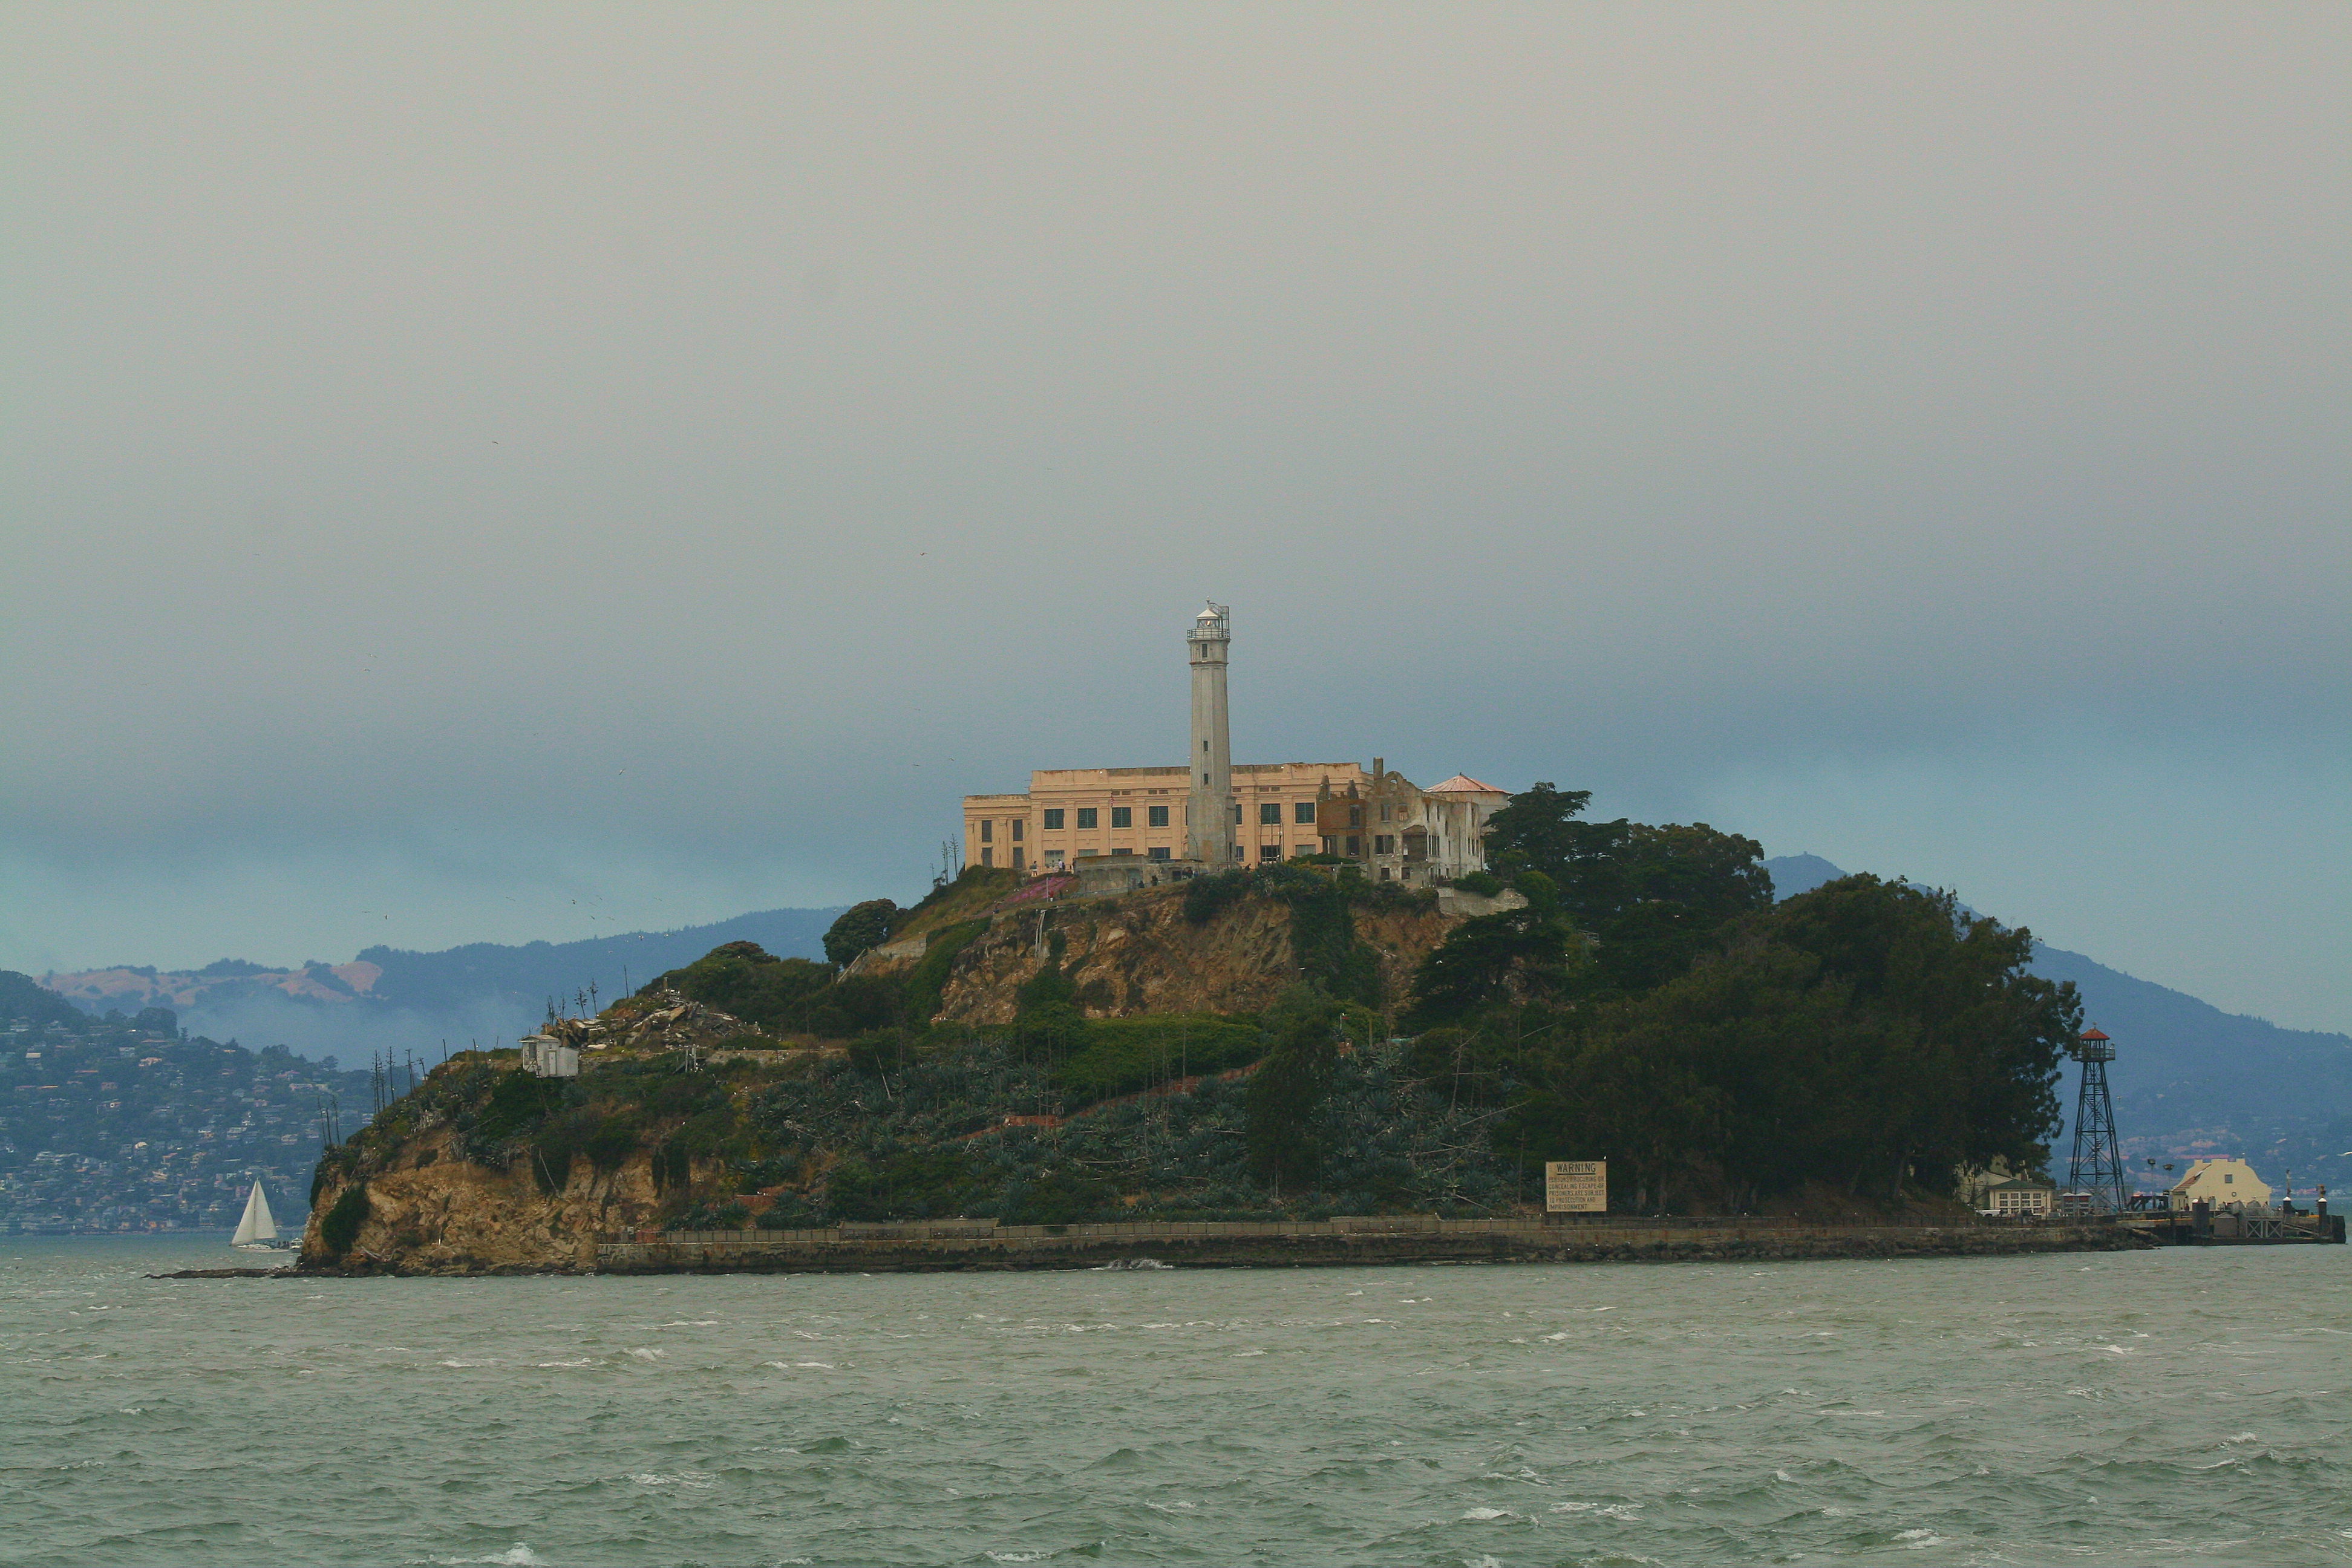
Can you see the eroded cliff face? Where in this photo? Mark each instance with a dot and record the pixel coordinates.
(434, 1212)
(1138, 955)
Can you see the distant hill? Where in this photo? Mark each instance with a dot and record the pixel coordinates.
(2189, 1078)
(393, 1001)
(615, 964)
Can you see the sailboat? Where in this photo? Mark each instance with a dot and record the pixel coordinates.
(257, 1231)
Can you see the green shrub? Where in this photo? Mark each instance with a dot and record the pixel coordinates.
(341, 1226)
(1120, 1055)
(929, 979)
(744, 979)
(932, 1184)
(1207, 897)
(616, 1137)
(518, 1102)
(1062, 1197)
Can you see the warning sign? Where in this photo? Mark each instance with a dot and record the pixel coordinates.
(1576, 1186)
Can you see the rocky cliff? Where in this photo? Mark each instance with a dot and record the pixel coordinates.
(684, 1113)
(1140, 953)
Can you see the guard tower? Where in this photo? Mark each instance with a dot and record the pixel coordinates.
(1209, 808)
(2097, 1169)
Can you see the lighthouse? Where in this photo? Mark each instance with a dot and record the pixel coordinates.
(1209, 805)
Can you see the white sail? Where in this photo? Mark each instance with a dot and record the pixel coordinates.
(259, 1224)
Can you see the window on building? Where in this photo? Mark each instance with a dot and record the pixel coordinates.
(1355, 845)
(1017, 860)
(1123, 854)
(988, 856)
(987, 828)
(1018, 824)
(1053, 859)
(1053, 819)
(1122, 817)
(1156, 815)
(1383, 843)
(1302, 850)
(1355, 817)
(1086, 814)
(1269, 813)
(1089, 854)
(1160, 854)
(1303, 812)
(1269, 851)
(1237, 814)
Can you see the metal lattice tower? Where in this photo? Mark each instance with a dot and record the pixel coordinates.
(2098, 1164)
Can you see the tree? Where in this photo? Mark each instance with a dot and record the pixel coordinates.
(860, 927)
(1653, 898)
(1868, 1036)
(1513, 956)
(1278, 1137)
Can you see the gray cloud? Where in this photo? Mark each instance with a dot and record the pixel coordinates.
(482, 458)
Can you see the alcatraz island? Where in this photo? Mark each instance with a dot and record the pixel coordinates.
(1288, 1012)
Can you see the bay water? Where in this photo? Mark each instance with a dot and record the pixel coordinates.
(2185, 1405)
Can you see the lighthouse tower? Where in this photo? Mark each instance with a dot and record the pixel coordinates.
(1208, 810)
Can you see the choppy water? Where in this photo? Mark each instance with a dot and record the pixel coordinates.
(2181, 1406)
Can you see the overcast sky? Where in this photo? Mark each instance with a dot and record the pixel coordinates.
(488, 473)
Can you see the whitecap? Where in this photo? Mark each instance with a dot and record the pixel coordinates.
(1172, 1506)
(1018, 1556)
(1239, 1354)
(644, 1352)
(1916, 1540)
(519, 1555)
(1486, 1513)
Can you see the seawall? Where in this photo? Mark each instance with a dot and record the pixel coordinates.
(969, 1245)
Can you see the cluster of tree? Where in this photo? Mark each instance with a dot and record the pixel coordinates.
(1651, 1005)
(784, 995)
(797, 996)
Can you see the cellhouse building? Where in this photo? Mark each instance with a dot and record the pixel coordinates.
(1212, 812)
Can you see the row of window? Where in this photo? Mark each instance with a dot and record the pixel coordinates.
(1269, 815)
(1120, 817)
(1382, 844)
